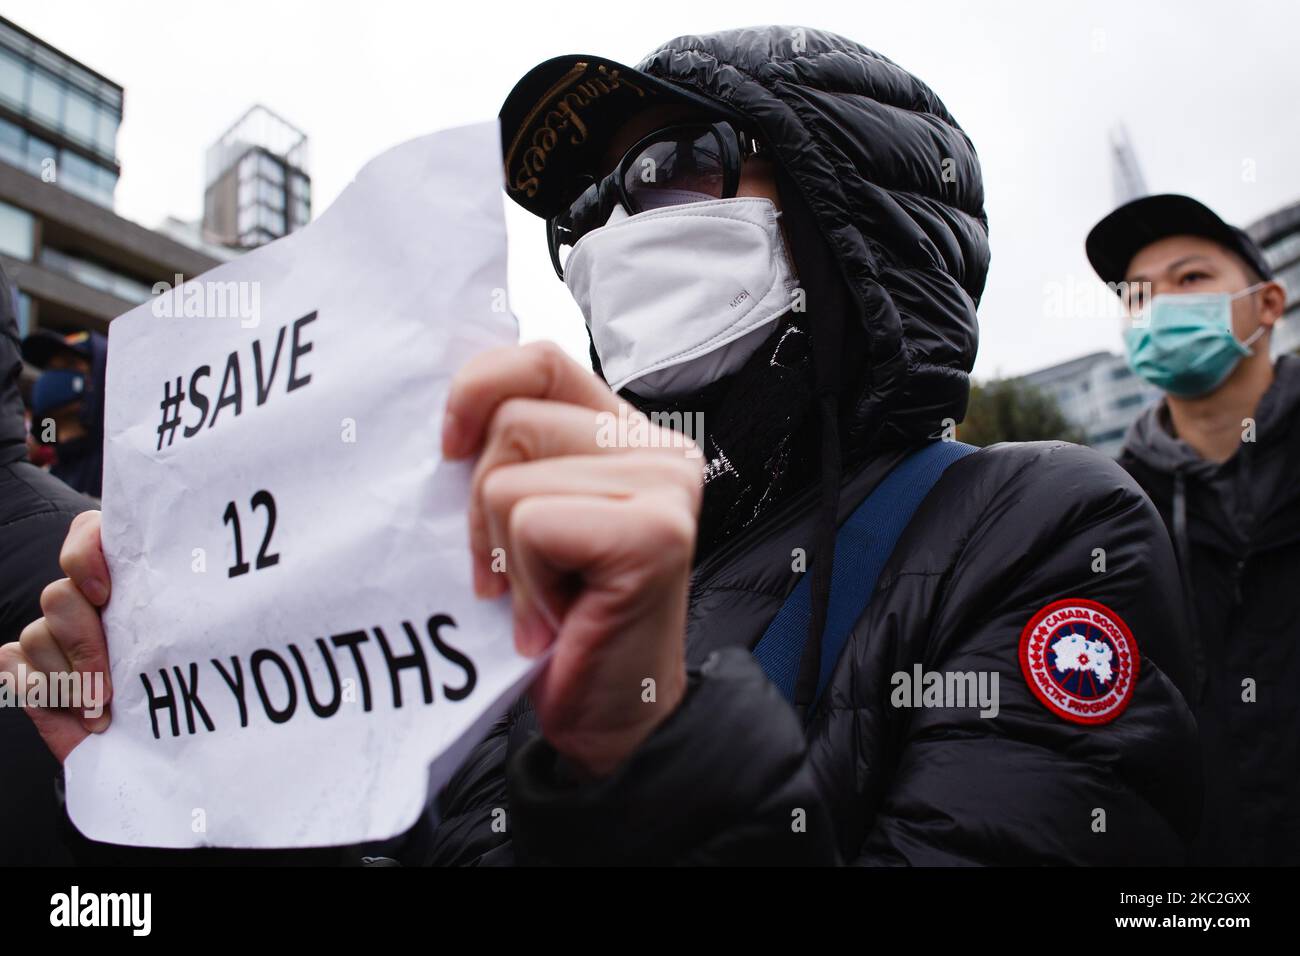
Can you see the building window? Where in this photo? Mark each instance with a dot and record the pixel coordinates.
(81, 176)
(24, 313)
(46, 99)
(39, 155)
(106, 130)
(1284, 251)
(300, 201)
(1128, 401)
(270, 170)
(107, 182)
(273, 221)
(79, 117)
(1107, 436)
(270, 195)
(13, 80)
(13, 144)
(17, 232)
(255, 237)
(96, 276)
(259, 217)
(261, 199)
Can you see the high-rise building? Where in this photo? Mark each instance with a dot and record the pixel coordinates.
(1099, 394)
(76, 263)
(257, 184)
(1278, 236)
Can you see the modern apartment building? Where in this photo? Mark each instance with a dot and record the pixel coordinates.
(75, 262)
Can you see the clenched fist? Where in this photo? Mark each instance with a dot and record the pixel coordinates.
(69, 639)
(597, 537)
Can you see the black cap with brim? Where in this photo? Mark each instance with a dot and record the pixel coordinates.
(1113, 242)
(558, 120)
(42, 345)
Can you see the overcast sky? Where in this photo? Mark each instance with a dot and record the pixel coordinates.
(1208, 91)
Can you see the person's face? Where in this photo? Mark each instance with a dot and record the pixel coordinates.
(757, 178)
(1193, 264)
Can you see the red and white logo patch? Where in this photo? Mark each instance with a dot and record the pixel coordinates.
(1079, 658)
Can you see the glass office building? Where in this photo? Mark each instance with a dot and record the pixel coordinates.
(58, 118)
(1278, 236)
(1097, 393)
(257, 184)
(76, 264)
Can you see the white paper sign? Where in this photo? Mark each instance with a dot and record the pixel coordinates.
(297, 655)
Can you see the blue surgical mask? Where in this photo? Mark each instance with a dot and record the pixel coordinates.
(1183, 344)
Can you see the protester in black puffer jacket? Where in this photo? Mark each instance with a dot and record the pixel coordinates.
(1241, 538)
(883, 213)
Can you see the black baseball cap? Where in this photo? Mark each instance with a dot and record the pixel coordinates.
(1113, 242)
(558, 120)
(42, 345)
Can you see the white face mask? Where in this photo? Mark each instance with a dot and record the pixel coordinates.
(678, 297)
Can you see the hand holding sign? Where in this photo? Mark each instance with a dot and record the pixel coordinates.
(69, 638)
(598, 539)
(297, 657)
(222, 695)
(562, 504)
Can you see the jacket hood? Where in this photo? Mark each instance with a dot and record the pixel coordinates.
(1150, 440)
(881, 192)
(894, 187)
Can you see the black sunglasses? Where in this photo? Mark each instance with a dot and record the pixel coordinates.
(686, 162)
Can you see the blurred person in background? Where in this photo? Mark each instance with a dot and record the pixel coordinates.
(36, 510)
(68, 403)
(1220, 457)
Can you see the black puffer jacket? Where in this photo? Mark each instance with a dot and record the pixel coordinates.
(894, 187)
(1240, 542)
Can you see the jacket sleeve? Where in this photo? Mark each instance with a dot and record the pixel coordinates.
(474, 825)
(1028, 786)
(724, 780)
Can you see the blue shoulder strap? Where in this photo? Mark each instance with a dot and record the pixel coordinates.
(862, 546)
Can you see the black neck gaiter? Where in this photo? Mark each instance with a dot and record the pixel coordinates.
(760, 436)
